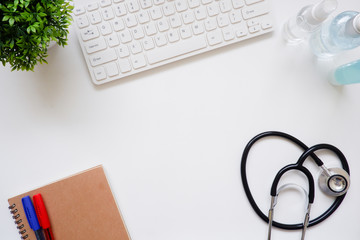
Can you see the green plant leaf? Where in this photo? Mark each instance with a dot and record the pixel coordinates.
(26, 28)
(11, 21)
(24, 15)
(6, 18)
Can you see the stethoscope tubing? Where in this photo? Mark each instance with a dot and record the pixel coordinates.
(300, 168)
(307, 152)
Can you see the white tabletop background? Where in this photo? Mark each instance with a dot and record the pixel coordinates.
(171, 139)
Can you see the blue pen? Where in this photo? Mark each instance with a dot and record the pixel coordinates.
(31, 217)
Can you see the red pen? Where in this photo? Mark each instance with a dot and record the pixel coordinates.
(43, 216)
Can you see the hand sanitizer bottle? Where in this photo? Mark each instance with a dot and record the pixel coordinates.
(340, 34)
(308, 20)
(347, 74)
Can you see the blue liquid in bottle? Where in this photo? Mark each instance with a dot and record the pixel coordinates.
(340, 34)
(347, 74)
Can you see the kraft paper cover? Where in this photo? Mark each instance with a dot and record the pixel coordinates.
(80, 207)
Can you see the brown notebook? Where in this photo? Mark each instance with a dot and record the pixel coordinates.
(80, 207)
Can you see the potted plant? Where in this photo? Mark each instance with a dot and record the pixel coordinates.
(28, 26)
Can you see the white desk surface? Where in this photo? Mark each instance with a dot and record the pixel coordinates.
(171, 139)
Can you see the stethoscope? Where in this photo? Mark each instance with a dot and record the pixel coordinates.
(332, 181)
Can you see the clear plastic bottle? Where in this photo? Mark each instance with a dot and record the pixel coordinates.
(340, 34)
(308, 20)
(347, 74)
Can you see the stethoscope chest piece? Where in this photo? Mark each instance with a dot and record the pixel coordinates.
(334, 181)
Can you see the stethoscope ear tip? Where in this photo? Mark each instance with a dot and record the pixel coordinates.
(334, 181)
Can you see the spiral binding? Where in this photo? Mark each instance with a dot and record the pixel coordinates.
(18, 221)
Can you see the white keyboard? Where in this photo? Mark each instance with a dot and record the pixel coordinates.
(123, 37)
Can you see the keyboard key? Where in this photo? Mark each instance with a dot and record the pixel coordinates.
(266, 25)
(112, 40)
(105, 28)
(158, 2)
(252, 22)
(137, 32)
(254, 29)
(194, 3)
(255, 10)
(266, 22)
(104, 3)
(156, 13)
(173, 35)
(179, 48)
(100, 73)
(130, 21)
(210, 24)
(135, 47)
(103, 57)
(107, 13)
(188, 17)
(120, 10)
(228, 33)
(214, 37)
(200, 13)
(132, 5)
(138, 61)
(206, 1)
(95, 17)
(169, 9)
(150, 29)
(235, 16)
(238, 3)
(118, 25)
(145, 3)
(225, 6)
(180, 5)
(148, 43)
(163, 25)
(175, 21)
(143, 17)
(241, 30)
(124, 65)
(213, 9)
(125, 36)
(95, 45)
(249, 2)
(92, 6)
(112, 69)
(185, 32)
(160, 40)
(89, 33)
(82, 21)
(222, 20)
(198, 28)
(123, 51)
(78, 10)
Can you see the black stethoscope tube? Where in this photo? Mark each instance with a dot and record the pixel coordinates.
(299, 168)
(308, 152)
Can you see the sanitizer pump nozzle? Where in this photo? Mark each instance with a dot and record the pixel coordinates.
(308, 20)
